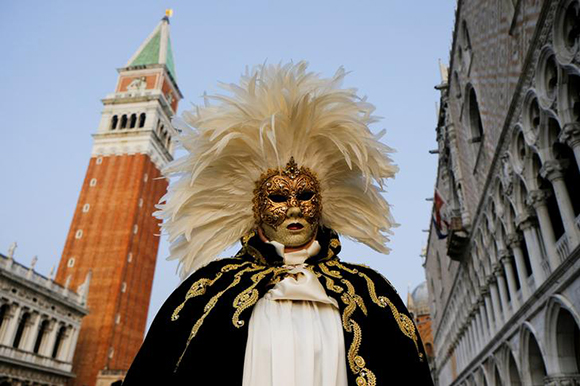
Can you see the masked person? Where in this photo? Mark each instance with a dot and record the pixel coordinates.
(285, 163)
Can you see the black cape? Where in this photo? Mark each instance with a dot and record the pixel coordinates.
(199, 335)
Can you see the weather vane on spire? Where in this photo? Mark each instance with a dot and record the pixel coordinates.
(169, 12)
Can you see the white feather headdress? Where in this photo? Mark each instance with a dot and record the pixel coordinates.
(276, 112)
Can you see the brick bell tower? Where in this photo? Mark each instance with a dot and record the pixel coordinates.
(113, 233)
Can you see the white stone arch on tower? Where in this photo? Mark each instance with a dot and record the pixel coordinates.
(561, 352)
(532, 356)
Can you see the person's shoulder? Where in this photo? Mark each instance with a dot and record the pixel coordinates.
(216, 266)
(370, 274)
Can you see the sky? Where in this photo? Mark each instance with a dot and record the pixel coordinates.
(60, 59)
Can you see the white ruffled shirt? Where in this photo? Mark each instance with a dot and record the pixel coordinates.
(295, 335)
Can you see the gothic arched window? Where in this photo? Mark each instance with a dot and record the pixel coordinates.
(142, 120)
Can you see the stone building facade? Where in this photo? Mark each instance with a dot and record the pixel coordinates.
(39, 326)
(503, 253)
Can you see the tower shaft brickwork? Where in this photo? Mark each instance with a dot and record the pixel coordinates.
(113, 233)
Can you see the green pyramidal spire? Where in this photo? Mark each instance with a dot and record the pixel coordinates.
(156, 49)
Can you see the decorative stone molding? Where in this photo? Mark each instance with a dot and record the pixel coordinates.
(537, 197)
(554, 169)
(570, 134)
(562, 380)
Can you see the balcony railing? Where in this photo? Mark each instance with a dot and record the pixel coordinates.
(34, 359)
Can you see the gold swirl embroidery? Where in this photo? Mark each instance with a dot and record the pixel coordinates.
(405, 324)
(356, 362)
(250, 295)
(211, 304)
(349, 298)
(199, 287)
(358, 300)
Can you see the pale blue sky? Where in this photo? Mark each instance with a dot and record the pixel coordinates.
(60, 58)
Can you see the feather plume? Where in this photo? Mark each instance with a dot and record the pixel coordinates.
(274, 113)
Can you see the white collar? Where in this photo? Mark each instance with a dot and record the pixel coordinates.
(297, 257)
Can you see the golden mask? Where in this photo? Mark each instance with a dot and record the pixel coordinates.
(287, 204)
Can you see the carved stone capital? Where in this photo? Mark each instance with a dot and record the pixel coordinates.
(498, 270)
(537, 198)
(526, 221)
(570, 134)
(562, 380)
(514, 240)
(554, 169)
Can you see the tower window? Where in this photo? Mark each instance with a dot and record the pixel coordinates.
(79, 234)
(118, 319)
(71, 262)
(114, 122)
(140, 203)
(99, 160)
(86, 208)
(124, 121)
(142, 120)
(93, 182)
(135, 228)
(124, 287)
(145, 177)
(133, 120)
(130, 257)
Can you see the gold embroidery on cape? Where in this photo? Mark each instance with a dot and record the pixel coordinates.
(250, 295)
(199, 287)
(356, 363)
(405, 324)
(211, 304)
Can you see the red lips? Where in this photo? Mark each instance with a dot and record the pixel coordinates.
(295, 226)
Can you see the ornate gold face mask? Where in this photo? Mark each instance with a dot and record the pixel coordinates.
(287, 204)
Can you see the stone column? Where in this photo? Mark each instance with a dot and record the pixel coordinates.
(553, 170)
(477, 331)
(62, 355)
(73, 344)
(537, 199)
(483, 323)
(30, 332)
(506, 261)
(500, 277)
(48, 344)
(570, 135)
(489, 313)
(528, 224)
(12, 319)
(497, 309)
(514, 242)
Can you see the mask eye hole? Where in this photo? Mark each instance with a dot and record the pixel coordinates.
(277, 198)
(305, 196)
